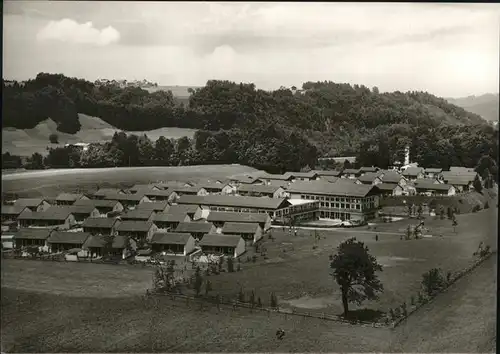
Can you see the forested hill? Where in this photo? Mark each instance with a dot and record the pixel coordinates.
(334, 118)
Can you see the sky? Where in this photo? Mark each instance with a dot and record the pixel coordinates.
(451, 50)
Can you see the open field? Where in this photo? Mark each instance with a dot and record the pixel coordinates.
(300, 276)
(36, 320)
(25, 142)
(49, 183)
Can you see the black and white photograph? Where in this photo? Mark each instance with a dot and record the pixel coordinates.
(249, 177)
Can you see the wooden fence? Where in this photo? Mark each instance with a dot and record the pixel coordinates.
(282, 311)
(455, 277)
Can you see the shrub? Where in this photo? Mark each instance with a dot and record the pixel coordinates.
(54, 138)
(392, 314)
(412, 301)
(433, 281)
(486, 205)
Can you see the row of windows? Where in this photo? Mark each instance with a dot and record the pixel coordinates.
(337, 199)
(341, 205)
(335, 215)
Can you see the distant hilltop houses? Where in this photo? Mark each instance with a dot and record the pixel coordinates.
(126, 83)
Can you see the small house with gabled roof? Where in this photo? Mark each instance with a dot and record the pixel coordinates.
(138, 214)
(251, 190)
(157, 207)
(60, 217)
(220, 218)
(138, 230)
(27, 237)
(34, 204)
(170, 220)
(228, 245)
(250, 232)
(129, 201)
(103, 192)
(103, 226)
(11, 212)
(69, 198)
(173, 243)
(60, 241)
(196, 229)
(95, 245)
(103, 206)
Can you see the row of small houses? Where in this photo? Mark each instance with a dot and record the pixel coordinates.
(85, 244)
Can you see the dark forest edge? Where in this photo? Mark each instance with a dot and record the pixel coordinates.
(281, 130)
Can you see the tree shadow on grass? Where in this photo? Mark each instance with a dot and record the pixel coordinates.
(364, 315)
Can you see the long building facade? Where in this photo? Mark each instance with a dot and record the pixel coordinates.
(340, 200)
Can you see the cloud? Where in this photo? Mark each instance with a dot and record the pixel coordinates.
(70, 31)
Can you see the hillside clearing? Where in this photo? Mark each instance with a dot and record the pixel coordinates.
(25, 142)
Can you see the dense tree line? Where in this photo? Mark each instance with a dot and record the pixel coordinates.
(284, 127)
(272, 149)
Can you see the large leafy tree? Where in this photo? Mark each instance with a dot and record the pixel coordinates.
(354, 270)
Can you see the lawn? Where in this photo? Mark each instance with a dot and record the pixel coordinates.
(50, 183)
(299, 274)
(35, 319)
(25, 142)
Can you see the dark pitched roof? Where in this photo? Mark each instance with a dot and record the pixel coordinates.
(459, 180)
(413, 171)
(158, 193)
(134, 225)
(368, 169)
(170, 217)
(211, 185)
(99, 241)
(433, 186)
(433, 170)
(386, 186)
(257, 188)
(350, 171)
(235, 201)
(333, 173)
(277, 183)
(137, 214)
(98, 203)
(99, 222)
(310, 174)
(368, 177)
(125, 197)
(12, 209)
(220, 240)
(221, 216)
(28, 202)
(68, 237)
(68, 197)
(33, 234)
(183, 209)
(390, 177)
(169, 184)
(240, 228)
(105, 191)
(275, 177)
(82, 209)
(53, 213)
(155, 206)
(459, 169)
(193, 189)
(341, 188)
(203, 227)
(170, 238)
(142, 187)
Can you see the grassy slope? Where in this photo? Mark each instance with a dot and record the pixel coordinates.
(460, 320)
(52, 182)
(25, 142)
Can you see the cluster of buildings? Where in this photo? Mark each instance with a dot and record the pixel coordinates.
(212, 216)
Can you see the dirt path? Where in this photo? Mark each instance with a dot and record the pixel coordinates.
(461, 320)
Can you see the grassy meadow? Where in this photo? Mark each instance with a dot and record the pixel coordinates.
(25, 142)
